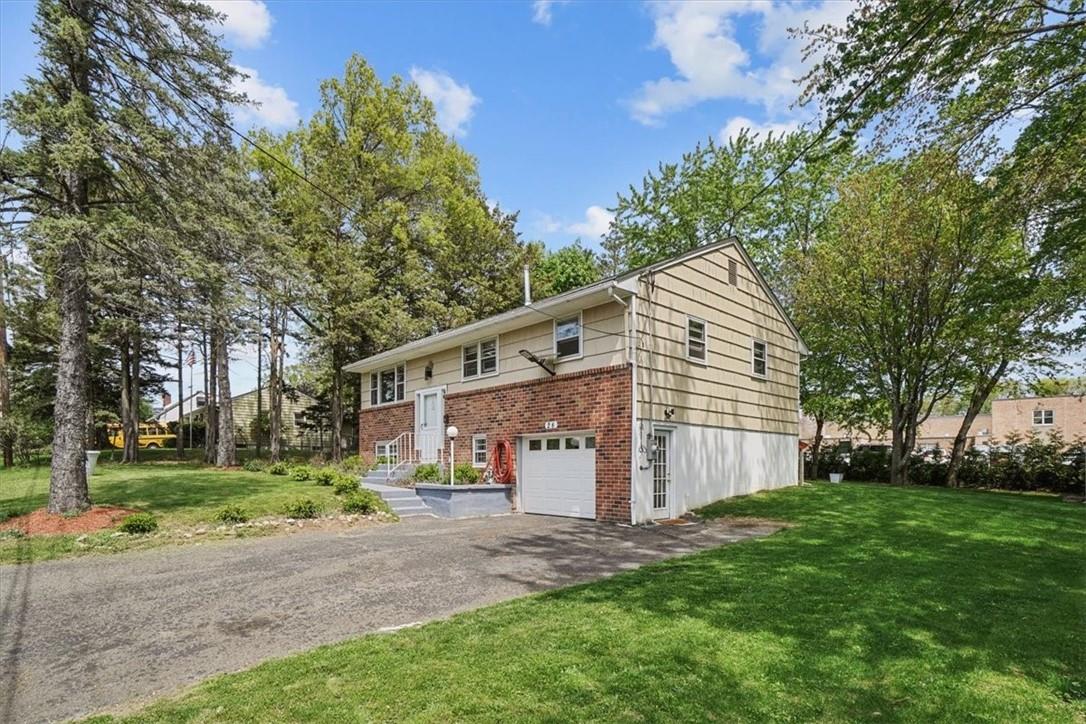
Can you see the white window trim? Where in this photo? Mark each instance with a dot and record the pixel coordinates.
(474, 462)
(580, 338)
(478, 345)
(393, 369)
(763, 375)
(704, 340)
(1042, 423)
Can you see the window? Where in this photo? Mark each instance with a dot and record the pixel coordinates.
(733, 272)
(758, 358)
(554, 443)
(567, 337)
(299, 419)
(478, 451)
(479, 359)
(590, 442)
(1043, 417)
(695, 339)
(535, 444)
(573, 443)
(387, 385)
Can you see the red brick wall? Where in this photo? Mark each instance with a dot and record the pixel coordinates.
(597, 400)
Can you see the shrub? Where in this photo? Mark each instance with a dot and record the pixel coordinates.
(139, 523)
(279, 468)
(318, 460)
(232, 514)
(380, 460)
(301, 473)
(301, 508)
(352, 464)
(363, 501)
(466, 474)
(324, 476)
(345, 484)
(428, 473)
(256, 465)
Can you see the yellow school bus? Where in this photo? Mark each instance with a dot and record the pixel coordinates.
(152, 435)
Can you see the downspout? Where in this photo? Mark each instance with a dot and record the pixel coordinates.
(631, 357)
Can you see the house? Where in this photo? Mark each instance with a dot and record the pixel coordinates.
(935, 433)
(1040, 416)
(302, 428)
(639, 397)
(170, 410)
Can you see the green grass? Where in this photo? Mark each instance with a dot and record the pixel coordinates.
(179, 494)
(879, 604)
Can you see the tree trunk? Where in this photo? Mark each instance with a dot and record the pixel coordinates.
(6, 444)
(337, 408)
(816, 446)
(132, 452)
(129, 428)
(68, 491)
(275, 386)
(179, 440)
(897, 446)
(211, 408)
(259, 376)
(226, 453)
(981, 391)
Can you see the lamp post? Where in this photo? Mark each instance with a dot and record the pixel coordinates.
(452, 432)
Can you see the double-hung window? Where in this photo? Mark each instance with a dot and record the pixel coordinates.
(387, 385)
(567, 337)
(696, 334)
(479, 359)
(1043, 417)
(759, 359)
(478, 451)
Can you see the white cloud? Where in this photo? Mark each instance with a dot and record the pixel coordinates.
(731, 128)
(711, 62)
(248, 22)
(542, 10)
(597, 221)
(455, 103)
(273, 107)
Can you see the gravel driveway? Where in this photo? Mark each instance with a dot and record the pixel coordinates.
(85, 635)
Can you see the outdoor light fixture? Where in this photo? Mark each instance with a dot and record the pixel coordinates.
(429, 370)
(452, 432)
(548, 366)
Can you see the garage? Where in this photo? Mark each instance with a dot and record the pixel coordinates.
(558, 475)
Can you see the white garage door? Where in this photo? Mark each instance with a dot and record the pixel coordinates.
(559, 476)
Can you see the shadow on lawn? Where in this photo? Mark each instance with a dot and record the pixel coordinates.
(881, 598)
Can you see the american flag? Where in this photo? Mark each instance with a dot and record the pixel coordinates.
(191, 359)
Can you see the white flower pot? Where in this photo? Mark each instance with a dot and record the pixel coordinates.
(92, 460)
(836, 477)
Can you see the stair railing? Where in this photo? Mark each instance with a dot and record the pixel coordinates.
(399, 452)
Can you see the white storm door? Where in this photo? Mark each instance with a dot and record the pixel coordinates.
(429, 424)
(661, 475)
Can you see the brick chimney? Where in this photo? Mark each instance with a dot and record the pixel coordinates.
(166, 400)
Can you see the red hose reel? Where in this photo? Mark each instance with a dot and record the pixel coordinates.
(501, 461)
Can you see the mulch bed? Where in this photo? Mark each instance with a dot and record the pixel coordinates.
(42, 522)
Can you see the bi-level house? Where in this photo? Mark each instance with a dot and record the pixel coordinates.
(636, 398)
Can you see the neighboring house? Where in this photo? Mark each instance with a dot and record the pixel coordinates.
(937, 432)
(170, 410)
(298, 433)
(660, 390)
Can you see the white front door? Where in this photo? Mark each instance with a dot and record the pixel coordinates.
(661, 475)
(429, 423)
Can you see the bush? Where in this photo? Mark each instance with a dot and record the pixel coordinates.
(428, 473)
(301, 508)
(352, 464)
(345, 484)
(139, 523)
(232, 514)
(324, 476)
(466, 474)
(301, 473)
(279, 468)
(363, 501)
(256, 465)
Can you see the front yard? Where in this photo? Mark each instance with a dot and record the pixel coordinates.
(878, 604)
(184, 497)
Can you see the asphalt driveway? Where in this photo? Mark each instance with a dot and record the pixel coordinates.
(86, 635)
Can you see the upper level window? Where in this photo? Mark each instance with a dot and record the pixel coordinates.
(1043, 417)
(567, 337)
(479, 359)
(387, 385)
(695, 339)
(758, 358)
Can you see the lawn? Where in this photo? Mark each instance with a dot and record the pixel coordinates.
(179, 494)
(878, 604)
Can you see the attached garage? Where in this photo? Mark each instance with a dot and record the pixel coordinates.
(558, 475)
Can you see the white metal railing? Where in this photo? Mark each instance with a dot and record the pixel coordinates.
(397, 453)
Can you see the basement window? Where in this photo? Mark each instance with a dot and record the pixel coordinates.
(479, 359)
(695, 340)
(387, 385)
(1044, 417)
(567, 337)
(758, 358)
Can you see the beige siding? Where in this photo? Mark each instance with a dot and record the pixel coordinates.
(293, 436)
(602, 344)
(723, 392)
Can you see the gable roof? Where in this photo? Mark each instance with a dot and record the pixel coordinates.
(621, 285)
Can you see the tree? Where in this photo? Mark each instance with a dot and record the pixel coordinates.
(116, 96)
(567, 268)
(7, 444)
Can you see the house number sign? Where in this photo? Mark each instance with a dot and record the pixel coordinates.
(550, 425)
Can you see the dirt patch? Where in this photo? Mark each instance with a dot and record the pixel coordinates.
(42, 522)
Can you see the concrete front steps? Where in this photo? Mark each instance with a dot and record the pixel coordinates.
(403, 501)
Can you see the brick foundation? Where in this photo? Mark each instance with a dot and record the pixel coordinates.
(597, 400)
